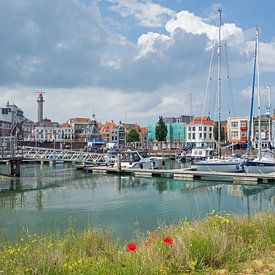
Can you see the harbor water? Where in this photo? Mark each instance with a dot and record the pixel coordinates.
(52, 198)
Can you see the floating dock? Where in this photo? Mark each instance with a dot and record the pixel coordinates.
(186, 174)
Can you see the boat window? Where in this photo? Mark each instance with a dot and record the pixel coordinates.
(136, 157)
(144, 154)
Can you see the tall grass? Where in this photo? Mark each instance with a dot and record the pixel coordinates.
(217, 242)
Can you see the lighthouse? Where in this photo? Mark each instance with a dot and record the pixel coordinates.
(40, 101)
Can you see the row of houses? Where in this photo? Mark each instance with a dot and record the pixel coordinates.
(199, 131)
(182, 131)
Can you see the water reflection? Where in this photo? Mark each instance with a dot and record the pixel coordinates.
(128, 203)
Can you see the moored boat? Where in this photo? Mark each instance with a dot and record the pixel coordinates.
(139, 160)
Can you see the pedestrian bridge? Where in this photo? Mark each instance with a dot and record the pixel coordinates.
(48, 154)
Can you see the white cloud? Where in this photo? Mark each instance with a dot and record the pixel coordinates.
(148, 42)
(146, 12)
(191, 23)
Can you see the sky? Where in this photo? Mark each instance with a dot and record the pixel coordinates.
(133, 60)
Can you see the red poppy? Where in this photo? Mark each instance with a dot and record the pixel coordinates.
(168, 240)
(131, 247)
(148, 243)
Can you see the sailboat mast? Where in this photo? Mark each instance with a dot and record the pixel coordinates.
(219, 84)
(269, 114)
(252, 100)
(258, 95)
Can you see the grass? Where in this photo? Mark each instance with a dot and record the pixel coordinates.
(219, 244)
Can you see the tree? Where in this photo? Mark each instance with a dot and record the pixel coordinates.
(216, 132)
(132, 136)
(161, 131)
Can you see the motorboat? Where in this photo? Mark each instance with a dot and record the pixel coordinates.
(139, 160)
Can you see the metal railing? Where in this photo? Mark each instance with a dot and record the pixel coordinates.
(39, 153)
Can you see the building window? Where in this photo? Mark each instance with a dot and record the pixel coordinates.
(200, 128)
(189, 135)
(204, 135)
(200, 135)
(205, 129)
(210, 135)
(243, 124)
(193, 136)
(189, 128)
(234, 124)
(234, 135)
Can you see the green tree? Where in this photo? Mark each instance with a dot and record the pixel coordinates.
(161, 131)
(216, 132)
(132, 136)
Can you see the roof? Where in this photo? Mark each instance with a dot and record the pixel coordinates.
(204, 120)
(80, 120)
(107, 127)
(143, 130)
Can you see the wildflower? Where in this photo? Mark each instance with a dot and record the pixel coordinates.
(131, 247)
(152, 234)
(148, 243)
(168, 240)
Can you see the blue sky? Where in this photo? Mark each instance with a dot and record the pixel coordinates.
(131, 59)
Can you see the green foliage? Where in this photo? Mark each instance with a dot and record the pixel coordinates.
(199, 247)
(132, 136)
(161, 130)
(215, 130)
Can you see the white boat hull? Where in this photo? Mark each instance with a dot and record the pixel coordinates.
(259, 167)
(219, 166)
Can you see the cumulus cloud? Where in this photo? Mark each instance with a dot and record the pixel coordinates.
(196, 25)
(146, 12)
(148, 42)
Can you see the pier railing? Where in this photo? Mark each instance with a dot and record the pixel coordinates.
(46, 154)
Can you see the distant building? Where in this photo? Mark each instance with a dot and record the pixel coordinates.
(181, 119)
(141, 130)
(200, 133)
(237, 129)
(50, 134)
(79, 126)
(113, 133)
(11, 113)
(5, 128)
(176, 135)
(265, 131)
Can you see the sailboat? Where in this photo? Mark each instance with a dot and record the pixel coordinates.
(265, 160)
(218, 164)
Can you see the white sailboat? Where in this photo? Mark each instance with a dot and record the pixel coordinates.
(218, 164)
(265, 161)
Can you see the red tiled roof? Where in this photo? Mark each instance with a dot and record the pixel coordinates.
(79, 120)
(143, 130)
(107, 127)
(204, 120)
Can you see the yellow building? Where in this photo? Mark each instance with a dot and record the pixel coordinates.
(237, 129)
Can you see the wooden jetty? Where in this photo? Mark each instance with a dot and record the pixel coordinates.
(186, 174)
